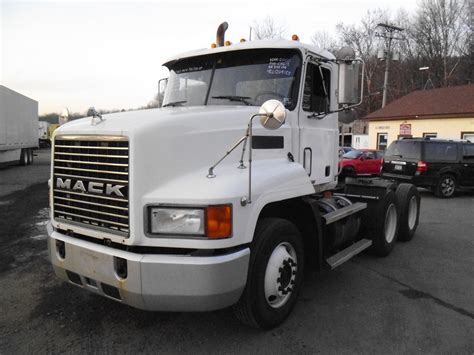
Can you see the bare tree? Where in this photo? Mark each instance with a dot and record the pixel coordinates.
(325, 41)
(441, 32)
(268, 29)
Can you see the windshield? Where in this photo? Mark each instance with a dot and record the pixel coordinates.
(353, 154)
(248, 77)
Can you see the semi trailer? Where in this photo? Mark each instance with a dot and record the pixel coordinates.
(226, 193)
(18, 127)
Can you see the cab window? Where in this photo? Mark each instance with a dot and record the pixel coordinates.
(316, 89)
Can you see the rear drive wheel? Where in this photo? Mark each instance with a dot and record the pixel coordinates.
(446, 186)
(30, 156)
(24, 156)
(408, 200)
(275, 274)
(386, 225)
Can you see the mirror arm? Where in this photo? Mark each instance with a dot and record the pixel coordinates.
(242, 165)
(246, 200)
(210, 173)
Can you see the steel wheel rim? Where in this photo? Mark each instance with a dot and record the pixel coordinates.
(412, 212)
(447, 186)
(280, 275)
(390, 223)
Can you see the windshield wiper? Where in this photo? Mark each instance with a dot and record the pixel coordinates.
(234, 98)
(176, 103)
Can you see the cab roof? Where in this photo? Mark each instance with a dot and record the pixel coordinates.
(258, 44)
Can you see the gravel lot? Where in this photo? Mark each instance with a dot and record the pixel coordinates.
(420, 299)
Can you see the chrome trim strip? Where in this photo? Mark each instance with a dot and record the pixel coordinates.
(90, 178)
(88, 195)
(91, 203)
(90, 147)
(91, 211)
(93, 155)
(91, 218)
(91, 137)
(92, 170)
(89, 162)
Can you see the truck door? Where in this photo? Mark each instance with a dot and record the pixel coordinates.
(318, 132)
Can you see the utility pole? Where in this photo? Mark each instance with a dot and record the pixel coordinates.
(388, 34)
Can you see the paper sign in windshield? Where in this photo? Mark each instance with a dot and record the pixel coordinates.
(279, 66)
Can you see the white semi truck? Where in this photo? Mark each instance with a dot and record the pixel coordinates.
(222, 196)
(18, 127)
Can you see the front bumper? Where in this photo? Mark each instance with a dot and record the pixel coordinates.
(154, 282)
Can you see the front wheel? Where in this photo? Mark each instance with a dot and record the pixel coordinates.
(275, 274)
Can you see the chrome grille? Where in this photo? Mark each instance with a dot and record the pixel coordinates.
(87, 170)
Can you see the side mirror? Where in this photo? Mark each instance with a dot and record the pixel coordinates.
(349, 92)
(273, 114)
(162, 83)
(63, 117)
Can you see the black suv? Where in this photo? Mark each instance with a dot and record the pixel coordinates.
(438, 164)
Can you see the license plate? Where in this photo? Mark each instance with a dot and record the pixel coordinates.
(398, 167)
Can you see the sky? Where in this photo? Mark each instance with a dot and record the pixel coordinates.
(109, 54)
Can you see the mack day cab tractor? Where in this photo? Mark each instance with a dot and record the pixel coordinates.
(161, 210)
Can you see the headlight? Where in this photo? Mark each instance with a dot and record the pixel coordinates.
(212, 222)
(177, 221)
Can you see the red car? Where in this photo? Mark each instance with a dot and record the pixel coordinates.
(361, 162)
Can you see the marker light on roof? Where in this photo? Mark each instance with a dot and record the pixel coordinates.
(228, 43)
(242, 40)
(295, 38)
(213, 45)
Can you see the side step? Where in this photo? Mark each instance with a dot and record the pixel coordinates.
(344, 255)
(341, 213)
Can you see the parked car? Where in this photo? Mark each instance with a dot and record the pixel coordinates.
(438, 164)
(361, 162)
(344, 150)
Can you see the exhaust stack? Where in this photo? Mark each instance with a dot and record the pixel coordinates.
(221, 33)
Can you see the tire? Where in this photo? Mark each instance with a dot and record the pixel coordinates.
(275, 274)
(408, 201)
(30, 156)
(385, 221)
(349, 171)
(24, 157)
(446, 186)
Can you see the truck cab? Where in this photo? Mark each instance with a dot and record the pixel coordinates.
(217, 198)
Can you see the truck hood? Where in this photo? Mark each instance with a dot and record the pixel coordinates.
(169, 143)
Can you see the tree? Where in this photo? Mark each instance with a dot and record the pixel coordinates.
(325, 41)
(268, 29)
(441, 32)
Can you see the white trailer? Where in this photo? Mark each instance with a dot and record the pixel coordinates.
(18, 127)
(223, 195)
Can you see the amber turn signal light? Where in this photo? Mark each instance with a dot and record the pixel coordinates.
(295, 38)
(219, 221)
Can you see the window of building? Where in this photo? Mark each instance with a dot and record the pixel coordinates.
(430, 135)
(316, 89)
(382, 139)
(469, 136)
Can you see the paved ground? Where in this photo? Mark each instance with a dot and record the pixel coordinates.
(420, 299)
(16, 178)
